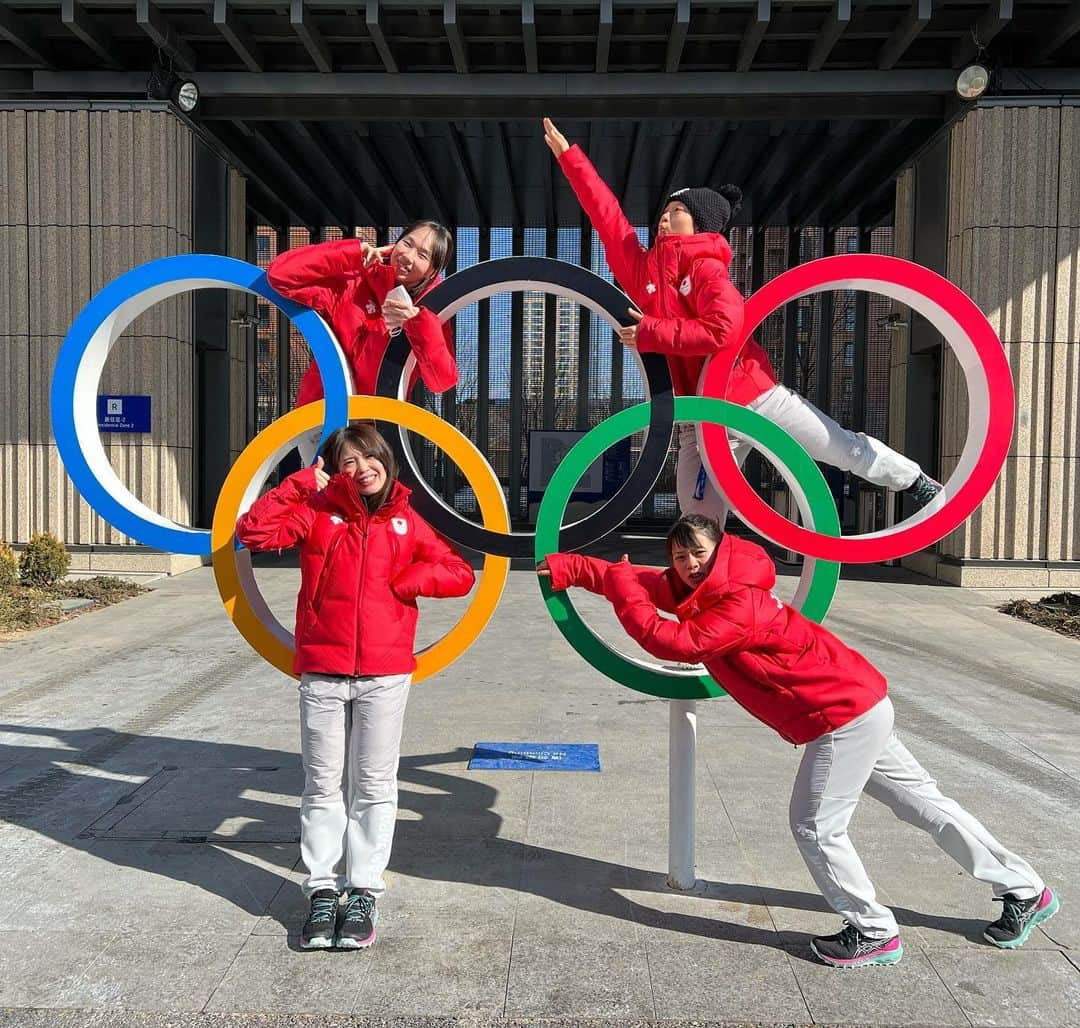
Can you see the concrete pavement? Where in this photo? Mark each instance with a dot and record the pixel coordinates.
(149, 776)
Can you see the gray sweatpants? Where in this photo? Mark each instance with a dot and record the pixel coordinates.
(866, 756)
(350, 740)
(821, 437)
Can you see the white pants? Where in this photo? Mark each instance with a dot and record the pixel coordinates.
(820, 436)
(866, 756)
(350, 739)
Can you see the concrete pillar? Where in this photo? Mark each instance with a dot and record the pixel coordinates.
(85, 195)
(1014, 246)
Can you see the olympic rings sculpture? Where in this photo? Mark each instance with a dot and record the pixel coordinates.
(85, 349)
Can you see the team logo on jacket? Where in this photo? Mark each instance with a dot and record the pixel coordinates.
(684, 286)
(371, 308)
(651, 288)
(400, 526)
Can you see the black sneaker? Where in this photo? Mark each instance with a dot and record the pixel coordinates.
(1019, 918)
(356, 929)
(850, 948)
(923, 490)
(318, 930)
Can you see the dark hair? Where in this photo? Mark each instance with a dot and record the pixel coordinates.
(366, 438)
(683, 531)
(442, 249)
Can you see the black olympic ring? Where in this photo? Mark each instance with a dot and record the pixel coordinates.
(511, 274)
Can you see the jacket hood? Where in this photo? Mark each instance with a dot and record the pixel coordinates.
(342, 497)
(738, 563)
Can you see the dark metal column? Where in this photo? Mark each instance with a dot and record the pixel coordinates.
(823, 378)
(789, 376)
(210, 309)
(551, 330)
(483, 361)
(584, 326)
(861, 345)
(757, 259)
(517, 309)
(284, 402)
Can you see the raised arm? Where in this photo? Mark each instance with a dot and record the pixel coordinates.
(282, 517)
(625, 254)
(716, 323)
(317, 275)
(437, 569)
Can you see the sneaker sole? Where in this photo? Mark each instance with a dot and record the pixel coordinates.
(1041, 917)
(356, 943)
(882, 960)
(316, 943)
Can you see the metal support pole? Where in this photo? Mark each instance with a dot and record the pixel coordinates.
(517, 385)
(790, 376)
(682, 760)
(584, 328)
(823, 360)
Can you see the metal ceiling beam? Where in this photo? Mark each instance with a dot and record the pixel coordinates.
(882, 172)
(373, 19)
(997, 15)
(674, 169)
(565, 87)
(455, 37)
(680, 25)
(723, 142)
(325, 163)
(829, 35)
(753, 35)
(603, 36)
(800, 171)
(149, 18)
(84, 28)
(866, 152)
(384, 175)
(461, 160)
(317, 47)
(807, 185)
(274, 149)
(504, 150)
(913, 22)
(528, 36)
(257, 169)
(1066, 26)
(422, 166)
(23, 35)
(244, 46)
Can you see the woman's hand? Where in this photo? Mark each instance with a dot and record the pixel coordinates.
(543, 570)
(396, 312)
(628, 335)
(373, 254)
(555, 140)
(322, 479)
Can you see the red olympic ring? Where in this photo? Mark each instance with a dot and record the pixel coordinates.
(990, 405)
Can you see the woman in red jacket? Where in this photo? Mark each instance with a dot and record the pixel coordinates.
(365, 556)
(803, 682)
(347, 282)
(693, 310)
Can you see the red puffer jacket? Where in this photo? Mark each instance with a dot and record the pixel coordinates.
(782, 668)
(331, 278)
(360, 573)
(692, 308)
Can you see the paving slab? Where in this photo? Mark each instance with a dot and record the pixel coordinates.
(149, 772)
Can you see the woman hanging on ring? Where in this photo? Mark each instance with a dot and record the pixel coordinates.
(689, 309)
(347, 282)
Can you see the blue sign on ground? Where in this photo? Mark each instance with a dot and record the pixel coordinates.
(535, 756)
(123, 413)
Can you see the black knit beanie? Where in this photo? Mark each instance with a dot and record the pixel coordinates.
(711, 209)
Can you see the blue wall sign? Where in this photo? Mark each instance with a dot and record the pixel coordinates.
(123, 413)
(535, 756)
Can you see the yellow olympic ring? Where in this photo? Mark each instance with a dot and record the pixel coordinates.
(243, 601)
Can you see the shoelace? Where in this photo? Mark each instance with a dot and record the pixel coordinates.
(359, 907)
(323, 908)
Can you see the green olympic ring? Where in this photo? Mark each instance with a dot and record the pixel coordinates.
(794, 463)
